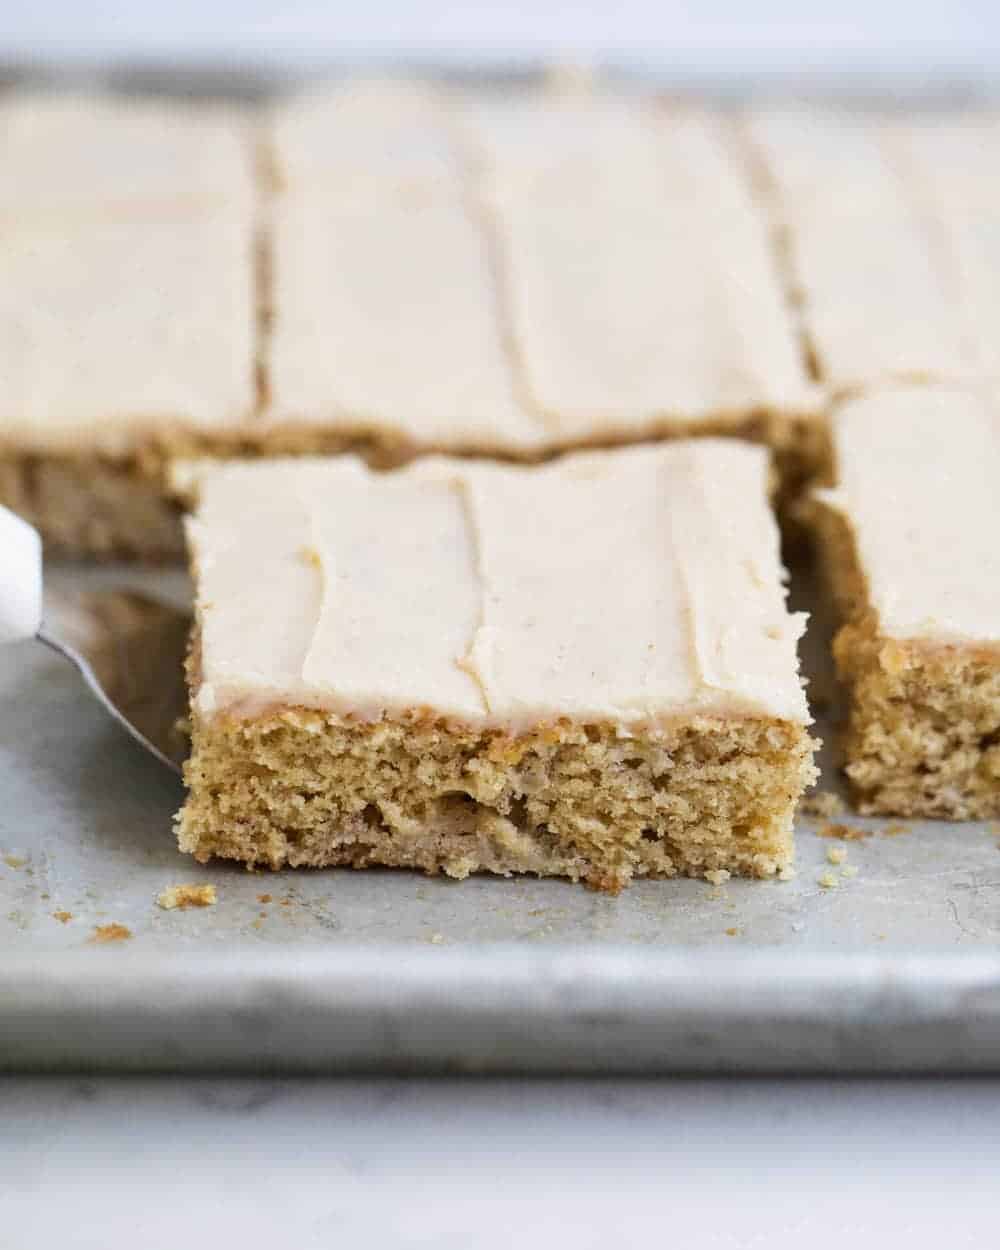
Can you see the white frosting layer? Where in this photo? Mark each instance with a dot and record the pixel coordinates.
(517, 273)
(116, 327)
(634, 586)
(876, 300)
(919, 485)
(73, 156)
(633, 264)
(893, 238)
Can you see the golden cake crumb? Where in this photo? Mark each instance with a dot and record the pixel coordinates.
(821, 803)
(849, 870)
(732, 932)
(718, 876)
(836, 854)
(14, 861)
(64, 917)
(111, 933)
(263, 898)
(437, 938)
(846, 833)
(895, 830)
(829, 880)
(185, 896)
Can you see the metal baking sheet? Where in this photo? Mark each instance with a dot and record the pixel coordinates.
(896, 968)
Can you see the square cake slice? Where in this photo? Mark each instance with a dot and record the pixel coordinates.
(879, 295)
(121, 342)
(910, 538)
(522, 273)
(585, 669)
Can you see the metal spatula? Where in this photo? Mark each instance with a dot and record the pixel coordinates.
(21, 616)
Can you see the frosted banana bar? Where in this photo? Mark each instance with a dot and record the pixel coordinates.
(908, 538)
(584, 669)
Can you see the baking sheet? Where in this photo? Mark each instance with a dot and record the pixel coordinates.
(894, 968)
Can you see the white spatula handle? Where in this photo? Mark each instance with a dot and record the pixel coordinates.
(20, 578)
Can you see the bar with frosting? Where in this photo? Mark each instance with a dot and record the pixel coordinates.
(583, 669)
(909, 543)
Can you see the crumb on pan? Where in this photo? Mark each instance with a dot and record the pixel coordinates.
(895, 829)
(836, 854)
(829, 880)
(64, 917)
(14, 861)
(104, 933)
(185, 896)
(846, 833)
(821, 803)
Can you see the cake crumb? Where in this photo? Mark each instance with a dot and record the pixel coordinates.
(846, 833)
(836, 854)
(14, 861)
(437, 938)
(111, 933)
(849, 870)
(895, 829)
(263, 898)
(185, 896)
(829, 881)
(787, 873)
(732, 932)
(64, 917)
(821, 803)
(718, 876)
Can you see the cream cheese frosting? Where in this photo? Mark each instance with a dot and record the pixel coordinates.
(876, 301)
(952, 160)
(634, 264)
(117, 327)
(518, 272)
(71, 156)
(636, 587)
(919, 486)
(891, 227)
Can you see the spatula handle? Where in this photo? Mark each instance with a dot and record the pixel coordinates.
(20, 578)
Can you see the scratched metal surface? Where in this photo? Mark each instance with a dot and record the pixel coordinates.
(760, 974)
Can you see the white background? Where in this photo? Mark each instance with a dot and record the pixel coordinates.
(716, 36)
(729, 1165)
(459, 1165)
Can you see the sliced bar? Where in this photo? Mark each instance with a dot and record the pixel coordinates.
(128, 309)
(121, 343)
(585, 669)
(879, 295)
(520, 275)
(909, 541)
